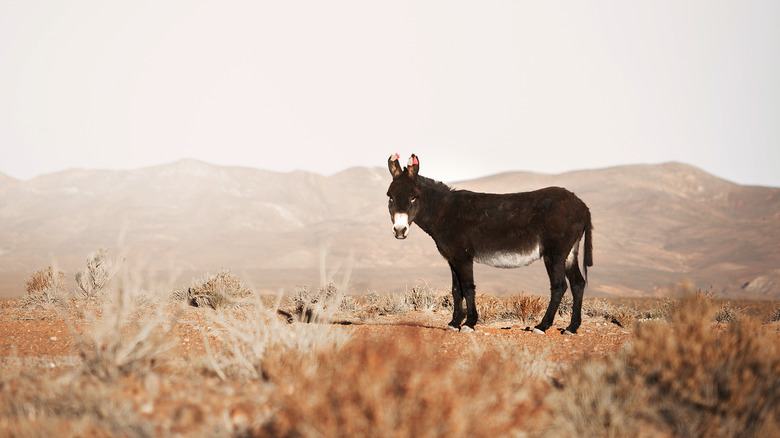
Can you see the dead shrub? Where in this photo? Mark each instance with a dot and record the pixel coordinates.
(684, 377)
(728, 313)
(45, 288)
(387, 304)
(661, 310)
(624, 316)
(96, 275)
(492, 309)
(598, 307)
(775, 315)
(526, 307)
(567, 303)
(216, 291)
(321, 305)
(423, 298)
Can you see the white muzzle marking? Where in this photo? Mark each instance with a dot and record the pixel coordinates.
(401, 225)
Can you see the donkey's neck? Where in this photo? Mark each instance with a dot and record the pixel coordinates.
(435, 196)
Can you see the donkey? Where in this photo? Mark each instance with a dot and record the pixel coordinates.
(501, 230)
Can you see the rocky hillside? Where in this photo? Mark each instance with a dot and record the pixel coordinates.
(655, 225)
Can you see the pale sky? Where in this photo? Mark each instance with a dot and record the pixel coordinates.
(472, 87)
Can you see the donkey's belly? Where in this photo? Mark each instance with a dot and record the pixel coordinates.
(508, 259)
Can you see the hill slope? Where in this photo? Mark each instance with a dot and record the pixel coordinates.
(654, 225)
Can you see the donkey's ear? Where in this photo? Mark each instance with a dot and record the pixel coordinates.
(394, 165)
(413, 167)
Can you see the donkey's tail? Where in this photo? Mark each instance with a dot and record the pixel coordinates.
(588, 258)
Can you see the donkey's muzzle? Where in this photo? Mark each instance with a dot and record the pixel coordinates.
(401, 225)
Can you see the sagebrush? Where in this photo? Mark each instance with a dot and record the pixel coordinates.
(95, 276)
(217, 290)
(45, 287)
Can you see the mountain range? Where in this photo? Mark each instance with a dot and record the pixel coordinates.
(655, 225)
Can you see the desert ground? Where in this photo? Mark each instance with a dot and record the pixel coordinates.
(216, 359)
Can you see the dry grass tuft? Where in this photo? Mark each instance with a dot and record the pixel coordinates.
(217, 290)
(45, 288)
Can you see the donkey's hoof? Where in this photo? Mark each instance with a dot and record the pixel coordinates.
(466, 329)
(537, 331)
(452, 329)
(568, 333)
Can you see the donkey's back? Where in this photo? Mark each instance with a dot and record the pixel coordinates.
(514, 229)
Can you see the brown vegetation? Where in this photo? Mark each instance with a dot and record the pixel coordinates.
(45, 287)
(131, 365)
(685, 376)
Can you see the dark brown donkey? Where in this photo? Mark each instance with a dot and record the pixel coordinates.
(505, 231)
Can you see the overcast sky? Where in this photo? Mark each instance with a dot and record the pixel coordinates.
(472, 87)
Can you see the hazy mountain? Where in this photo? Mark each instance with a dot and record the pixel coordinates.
(654, 226)
(6, 181)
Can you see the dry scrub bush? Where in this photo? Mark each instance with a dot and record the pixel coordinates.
(118, 343)
(598, 307)
(567, 303)
(255, 335)
(321, 305)
(393, 389)
(624, 316)
(217, 290)
(386, 304)
(661, 310)
(686, 377)
(526, 307)
(96, 275)
(492, 309)
(45, 288)
(421, 297)
(728, 313)
(775, 315)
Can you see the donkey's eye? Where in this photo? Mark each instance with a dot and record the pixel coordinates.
(414, 198)
(390, 199)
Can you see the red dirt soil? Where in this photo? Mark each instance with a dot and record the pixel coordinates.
(43, 334)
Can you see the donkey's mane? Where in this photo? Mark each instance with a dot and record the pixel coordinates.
(432, 184)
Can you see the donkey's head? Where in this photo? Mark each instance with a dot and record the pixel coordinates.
(403, 195)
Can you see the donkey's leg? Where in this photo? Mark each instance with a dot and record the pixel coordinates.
(457, 302)
(577, 283)
(556, 271)
(465, 272)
